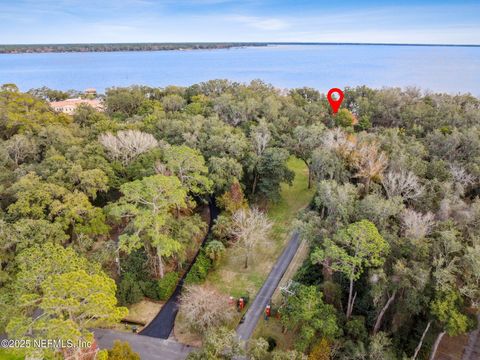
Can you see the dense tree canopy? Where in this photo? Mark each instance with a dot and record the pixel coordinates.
(99, 198)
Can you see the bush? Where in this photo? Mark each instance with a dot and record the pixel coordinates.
(128, 290)
(122, 351)
(166, 286)
(320, 351)
(149, 289)
(199, 271)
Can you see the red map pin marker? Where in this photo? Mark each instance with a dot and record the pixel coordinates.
(335, 103)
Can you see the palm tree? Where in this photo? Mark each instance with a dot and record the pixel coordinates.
(214, 250)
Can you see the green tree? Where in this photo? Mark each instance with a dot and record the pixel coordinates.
(42, 200)
(124, 102)
(149, 206)
(381, 348)
(173, 102)
(57, 169)
(72, 294)
(215, 250)
(189, 166)
(21, 112)
(257, 349)
(303, 142)
(352, 249)
(224, 171)
(272, 171)
(306, 314)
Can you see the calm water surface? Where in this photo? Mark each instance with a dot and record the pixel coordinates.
(446, 69)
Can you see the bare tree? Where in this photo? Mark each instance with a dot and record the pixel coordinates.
(19, 148)
(260, 138)
(204, 307)
(250, 227)
(337, 140)
(369, 162)
(402, 183)
(127, 145)
(452, 205)
(462, 179)
(417, 225)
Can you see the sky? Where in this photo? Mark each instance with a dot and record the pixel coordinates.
(372, 21)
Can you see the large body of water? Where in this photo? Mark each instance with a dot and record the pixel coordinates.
(443, 69)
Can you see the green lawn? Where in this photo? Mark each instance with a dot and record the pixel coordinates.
(293, 199)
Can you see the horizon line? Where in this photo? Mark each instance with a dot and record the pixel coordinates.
(247, 43)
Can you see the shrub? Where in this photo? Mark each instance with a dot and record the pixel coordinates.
(199, 271)
(149, 289)
(345, 118)
(320, 351)
(166, 286)
(122, 351)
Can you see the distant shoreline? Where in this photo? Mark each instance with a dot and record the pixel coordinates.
(133, 47)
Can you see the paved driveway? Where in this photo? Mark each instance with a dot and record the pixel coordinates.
(258, 305)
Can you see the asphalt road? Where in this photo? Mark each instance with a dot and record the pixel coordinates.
(148, 348)
(257, 307)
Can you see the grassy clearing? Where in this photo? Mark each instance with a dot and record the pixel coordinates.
(139, 315)
(231, 277)
(143, 312)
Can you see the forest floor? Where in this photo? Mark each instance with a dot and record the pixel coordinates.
(231, 278)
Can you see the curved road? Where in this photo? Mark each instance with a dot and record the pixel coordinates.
(257, 308)
(162, 325)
